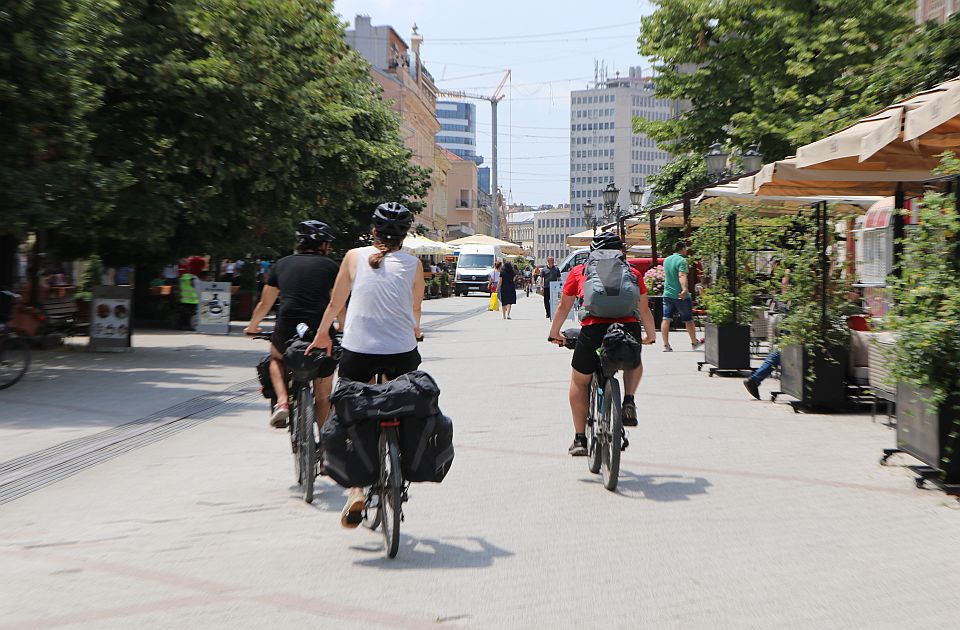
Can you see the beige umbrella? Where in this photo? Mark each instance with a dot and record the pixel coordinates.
(422, 246)
(787, 178)
(482, 239)
(891, 139)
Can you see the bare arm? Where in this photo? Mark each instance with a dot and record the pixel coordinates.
(418, 288)
(684, 292)
(267, 299)
(560, 316)
(338, 302)
(646, 318)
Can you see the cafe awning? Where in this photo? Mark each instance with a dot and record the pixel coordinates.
(786, 178)
(482, 239)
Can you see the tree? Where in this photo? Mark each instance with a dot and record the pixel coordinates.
(235, 119)
(757, 71)
(685, 172)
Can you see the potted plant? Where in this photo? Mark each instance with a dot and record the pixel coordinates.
(814, 332)
(654, 278)
(925, 360)
(435, 287)
(727, 344)
(444, 284)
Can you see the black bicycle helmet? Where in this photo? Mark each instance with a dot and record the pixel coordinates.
(392, 219)
(314, 232)
(606, 240)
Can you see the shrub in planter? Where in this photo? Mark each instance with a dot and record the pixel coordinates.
(727, 337)
(926, 356)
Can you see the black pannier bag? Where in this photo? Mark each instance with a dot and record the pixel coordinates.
(426, 447)
(350, 451)
(621, 351)
(414, 394)
(263, 375)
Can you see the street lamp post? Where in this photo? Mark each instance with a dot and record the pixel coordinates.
(610, 195)
(588, 214)
(752, 159)
(716, 159)
(636, 198)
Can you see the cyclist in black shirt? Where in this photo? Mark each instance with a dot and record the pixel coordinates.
(303, 281)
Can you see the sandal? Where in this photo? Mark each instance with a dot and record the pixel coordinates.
(352, 513)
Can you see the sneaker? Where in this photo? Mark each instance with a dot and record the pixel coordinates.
(696, 344)
(579, 446)
(630, 414)
(667, 349)
(279, 418)
(751, 386)
(352, 513)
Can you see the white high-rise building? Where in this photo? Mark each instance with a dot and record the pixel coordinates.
(603, 147)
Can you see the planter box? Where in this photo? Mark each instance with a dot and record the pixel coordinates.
(728, 347)
(828, 389)
(924, 434)
(656, 306)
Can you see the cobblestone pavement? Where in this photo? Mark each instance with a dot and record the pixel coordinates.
(731, 513)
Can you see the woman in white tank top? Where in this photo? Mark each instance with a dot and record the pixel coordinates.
(385, 288)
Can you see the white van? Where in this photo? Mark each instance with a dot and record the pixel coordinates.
(474, 267)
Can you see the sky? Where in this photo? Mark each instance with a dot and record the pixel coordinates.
(550, 46)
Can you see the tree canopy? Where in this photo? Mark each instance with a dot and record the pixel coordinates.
(194, 125)
(767, 72)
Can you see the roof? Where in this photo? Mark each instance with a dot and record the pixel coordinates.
(450, 155)
(522, 217)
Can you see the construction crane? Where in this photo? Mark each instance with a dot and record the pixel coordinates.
(500, 227)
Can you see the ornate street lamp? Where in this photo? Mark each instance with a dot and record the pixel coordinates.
(588, 209)
(610, 195)
(716, 159)
(636, 197)
(752, 159)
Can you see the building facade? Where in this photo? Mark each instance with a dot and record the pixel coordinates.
(603, 146)
(463, 204)
(458, 129)
(936, 10)
(551, 227)
(411, 92)
(520, 226)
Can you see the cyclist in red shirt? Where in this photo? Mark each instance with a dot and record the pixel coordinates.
(585, 359)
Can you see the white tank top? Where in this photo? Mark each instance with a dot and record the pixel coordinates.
(380, 314)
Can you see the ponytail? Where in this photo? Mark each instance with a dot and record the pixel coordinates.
(384, 244)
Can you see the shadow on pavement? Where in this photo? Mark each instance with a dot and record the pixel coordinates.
(430, 553)
(656, 487)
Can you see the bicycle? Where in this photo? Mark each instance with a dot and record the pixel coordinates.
(606, 437)
(301, 426)
(14, 350)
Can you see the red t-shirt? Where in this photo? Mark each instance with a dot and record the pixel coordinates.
(574, 287)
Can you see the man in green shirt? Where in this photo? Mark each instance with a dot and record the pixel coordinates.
(676, 297)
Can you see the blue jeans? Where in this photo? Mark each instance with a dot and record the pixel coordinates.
(762, 372)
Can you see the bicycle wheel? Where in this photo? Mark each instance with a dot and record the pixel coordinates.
(611, 434)
(14, 360)
(292, 423)
(593, 411)
(391, 491)
(306, 413)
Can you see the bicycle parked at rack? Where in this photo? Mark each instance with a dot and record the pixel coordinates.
(14, 350)
(606, 437)
(302, 424)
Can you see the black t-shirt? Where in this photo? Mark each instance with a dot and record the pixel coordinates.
(550, 274)
(305, 282)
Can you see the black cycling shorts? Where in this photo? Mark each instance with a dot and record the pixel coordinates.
(357, 366)
(585, 357)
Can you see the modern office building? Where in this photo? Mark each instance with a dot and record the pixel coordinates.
(458, 129)
(603, 147)
(937, 10)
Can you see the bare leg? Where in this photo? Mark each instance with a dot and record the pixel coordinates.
(321, 395)
(631, 381)
(692, 331)
(277, 376)
(665, 331)
(579, 400)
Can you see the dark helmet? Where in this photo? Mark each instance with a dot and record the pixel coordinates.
(606, 240)
(314, 232)
(392, 219)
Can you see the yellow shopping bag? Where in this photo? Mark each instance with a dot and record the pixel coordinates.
(494, 305)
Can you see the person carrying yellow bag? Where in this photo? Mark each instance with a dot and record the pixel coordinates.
(494, 287)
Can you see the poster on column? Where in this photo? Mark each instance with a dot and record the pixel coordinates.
(213, 311)
(110, 317)
(556, 289)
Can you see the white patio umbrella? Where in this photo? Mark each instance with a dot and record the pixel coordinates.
(422, 246)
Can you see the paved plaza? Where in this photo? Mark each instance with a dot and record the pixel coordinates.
(731, 512)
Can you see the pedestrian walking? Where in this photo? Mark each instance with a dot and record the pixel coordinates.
(494, 286)
(550, 273)
(508, 289)
(676, 297)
